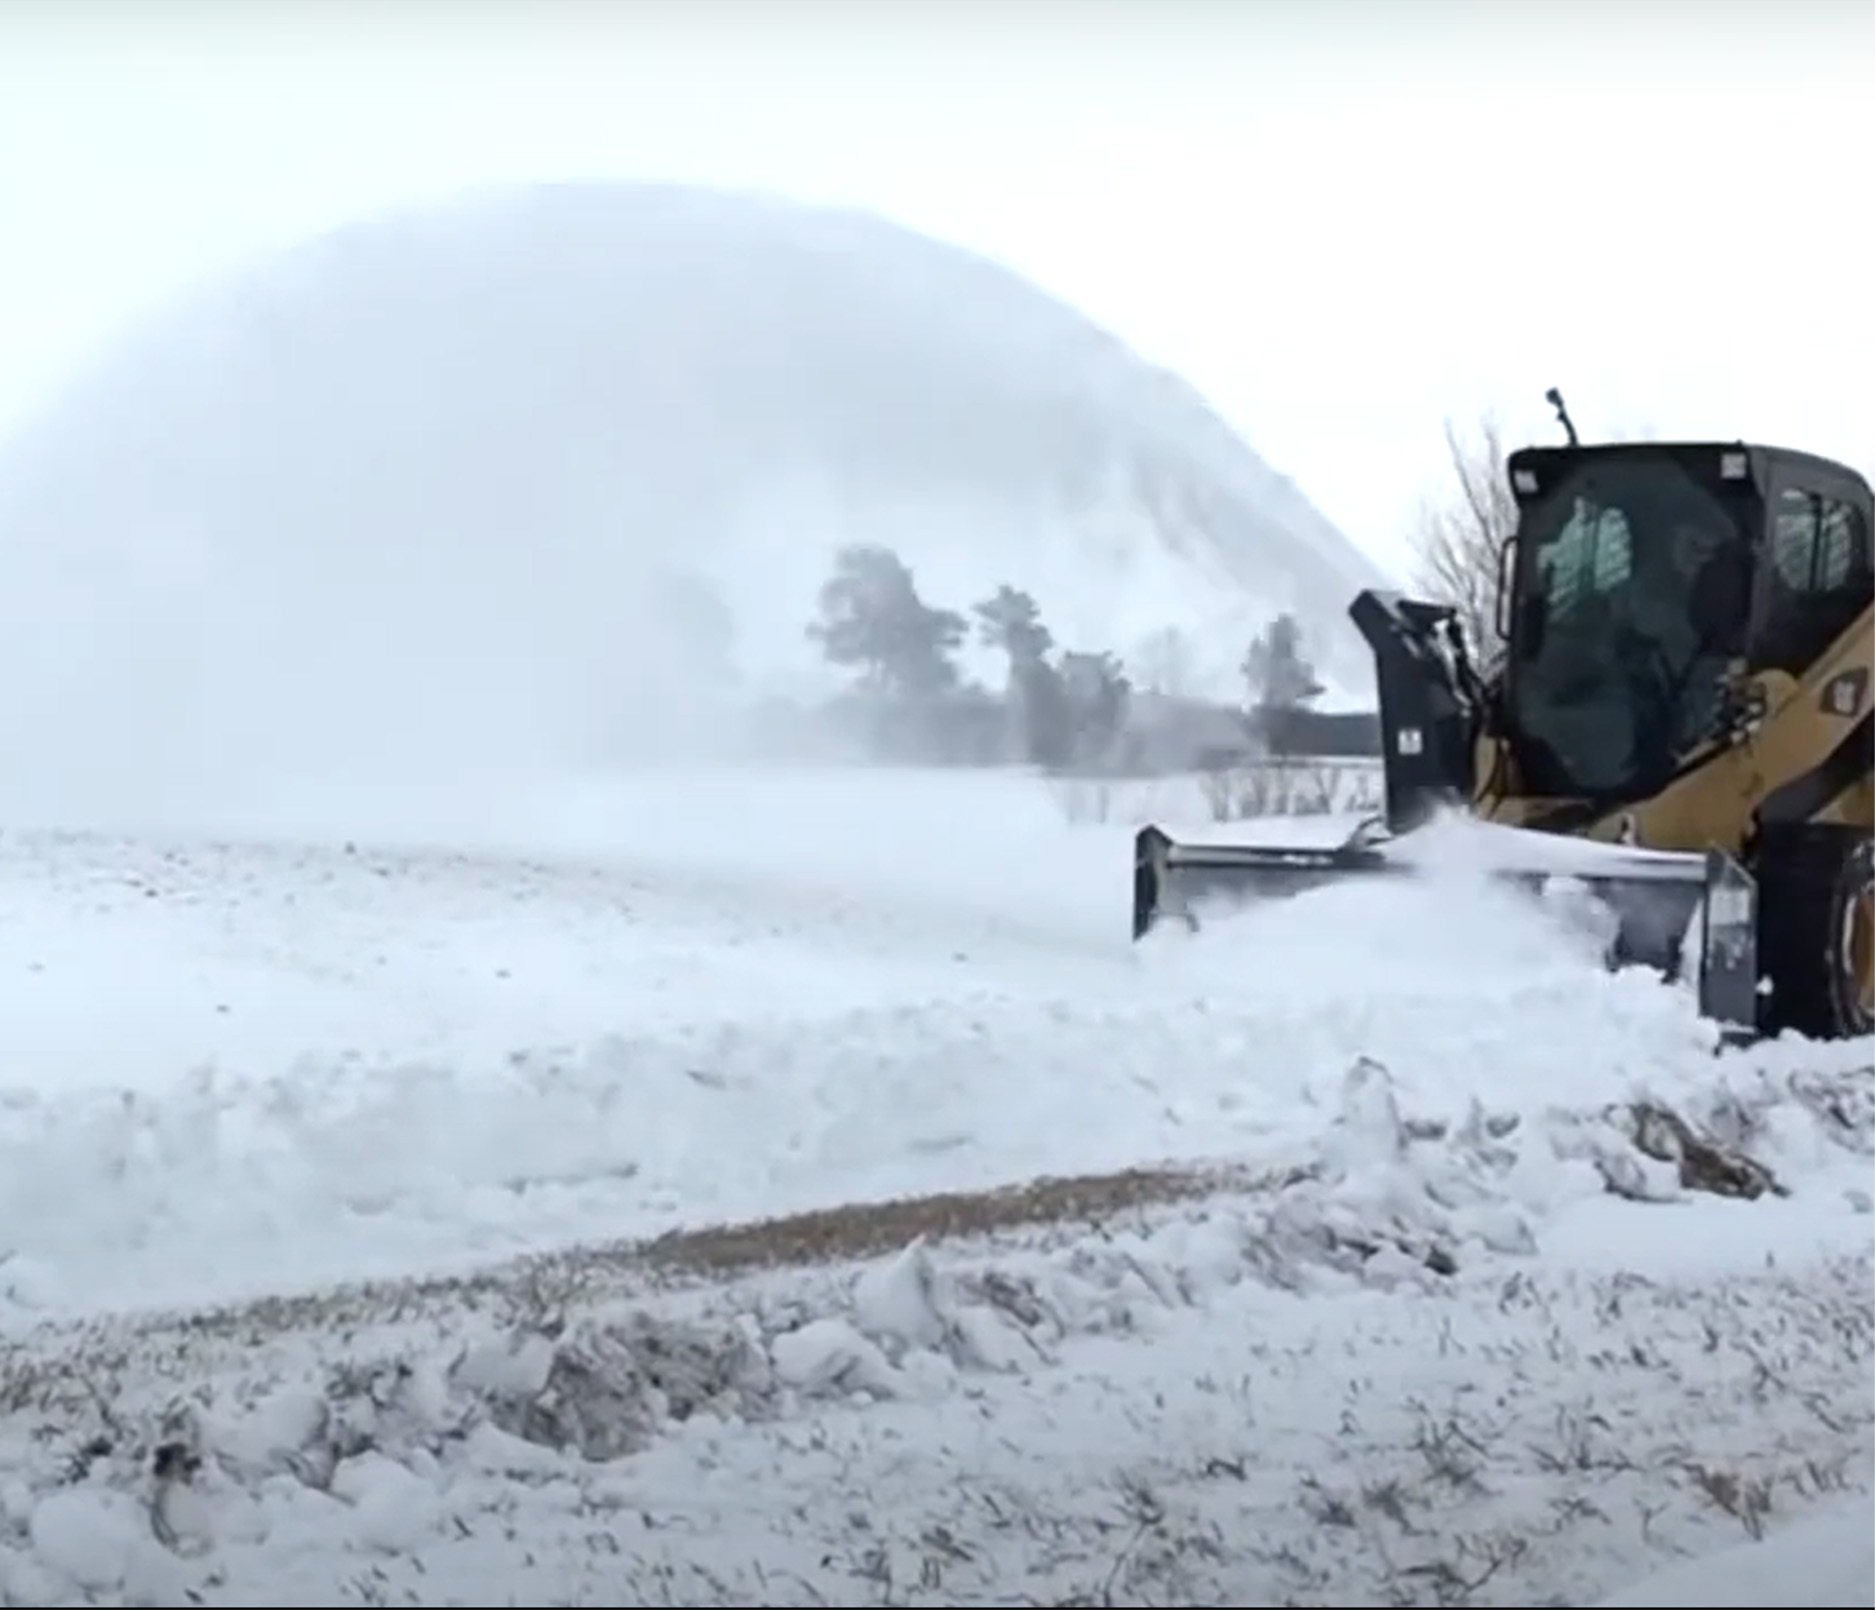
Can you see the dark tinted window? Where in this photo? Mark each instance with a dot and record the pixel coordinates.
(1819, 578)
(1620, 648)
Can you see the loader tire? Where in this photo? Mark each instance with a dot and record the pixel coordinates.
(1816, 929)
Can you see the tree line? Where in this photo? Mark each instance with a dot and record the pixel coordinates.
(1059, 708)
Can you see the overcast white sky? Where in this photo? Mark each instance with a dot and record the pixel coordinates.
(1342, 219)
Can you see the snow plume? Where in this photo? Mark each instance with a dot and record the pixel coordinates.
(414, 498)
(464, 660)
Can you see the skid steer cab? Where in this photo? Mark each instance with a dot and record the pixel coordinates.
(1682, 717)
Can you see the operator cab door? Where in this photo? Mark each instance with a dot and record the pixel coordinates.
(1816, 570)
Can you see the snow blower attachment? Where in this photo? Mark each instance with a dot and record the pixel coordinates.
(1682, 723)
(1653, 896)
(1428, 691)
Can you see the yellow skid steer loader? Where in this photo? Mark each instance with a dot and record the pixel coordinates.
(1683, 720)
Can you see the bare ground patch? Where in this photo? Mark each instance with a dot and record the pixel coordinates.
(866, 1229)
(688, 1257)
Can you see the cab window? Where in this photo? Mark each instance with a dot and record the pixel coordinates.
(1593, 553)
(1820, 577)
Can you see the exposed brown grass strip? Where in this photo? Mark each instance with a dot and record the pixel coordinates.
(691, 1256)
(866, 1229)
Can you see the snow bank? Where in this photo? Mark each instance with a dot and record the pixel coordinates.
(1227, 1403)
(1470, 1318)
(374, 1063)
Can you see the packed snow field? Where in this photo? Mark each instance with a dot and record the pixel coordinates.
(379, 1175)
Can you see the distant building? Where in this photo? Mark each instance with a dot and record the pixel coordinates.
(1166, 735)
(1328, 734)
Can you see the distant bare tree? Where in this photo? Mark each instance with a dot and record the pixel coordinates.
(1460, 529)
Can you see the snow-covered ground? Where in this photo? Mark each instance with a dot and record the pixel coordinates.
(1827, 1559)
(1405, 1299)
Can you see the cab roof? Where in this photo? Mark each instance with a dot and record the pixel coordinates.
(1762, 460)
